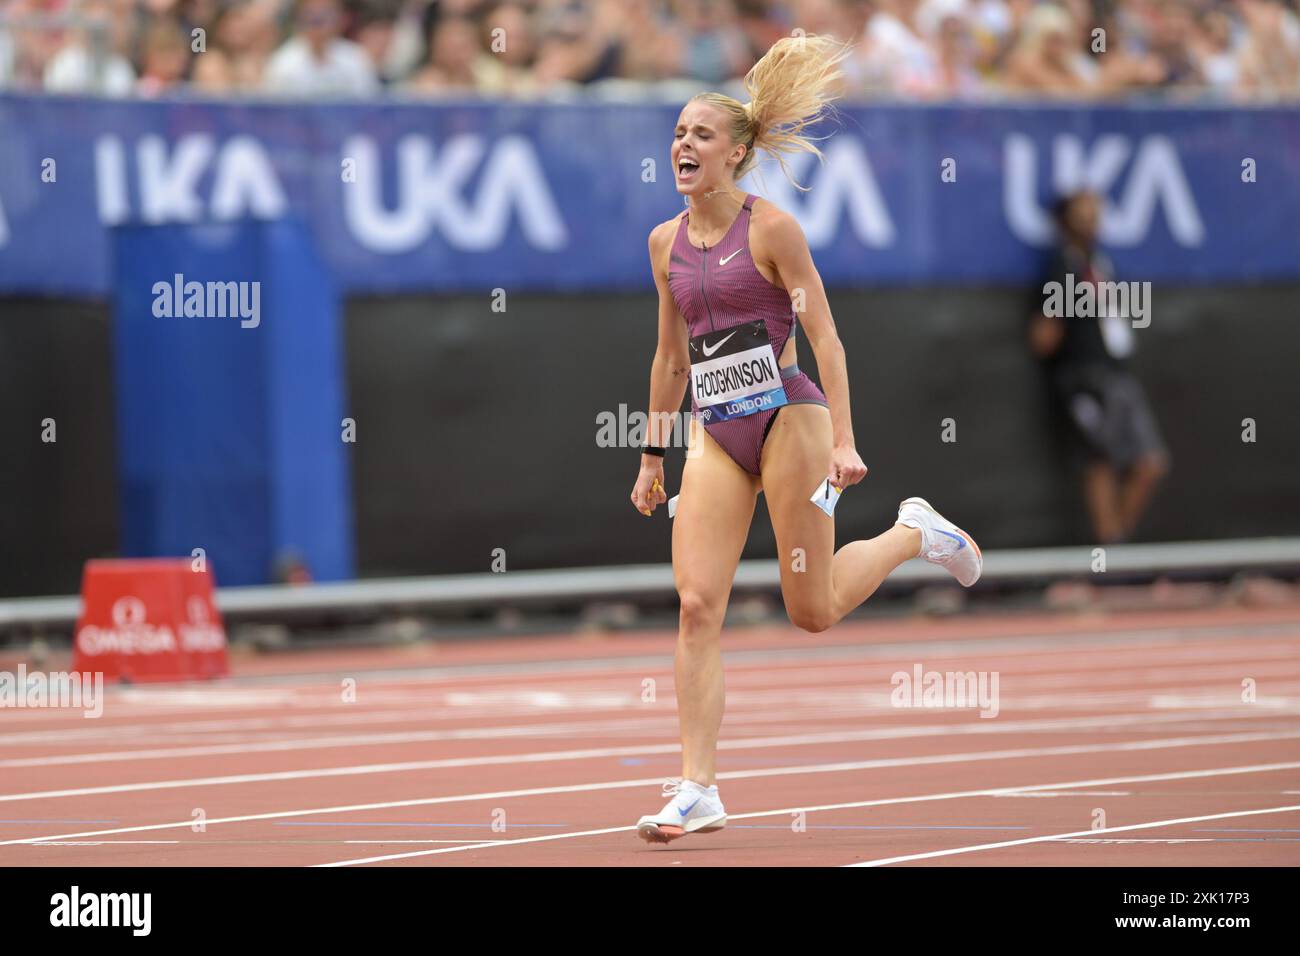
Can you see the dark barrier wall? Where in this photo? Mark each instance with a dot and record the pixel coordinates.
(477, 429)
(58, 500)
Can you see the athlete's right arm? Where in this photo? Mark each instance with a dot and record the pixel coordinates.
(668, 374)
(672, 361)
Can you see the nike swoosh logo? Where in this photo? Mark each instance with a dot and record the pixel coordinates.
(961, 542)
(723, 262)
(691, 807)
(716, 345)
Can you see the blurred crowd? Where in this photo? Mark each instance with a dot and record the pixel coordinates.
(1235, 50)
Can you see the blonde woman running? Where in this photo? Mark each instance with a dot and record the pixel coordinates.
(725, 270)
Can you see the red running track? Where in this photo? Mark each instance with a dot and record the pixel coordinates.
(1110, 741)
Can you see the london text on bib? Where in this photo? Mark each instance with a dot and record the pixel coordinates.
(734, 372)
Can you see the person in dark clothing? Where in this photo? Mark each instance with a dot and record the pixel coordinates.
(1087, 360)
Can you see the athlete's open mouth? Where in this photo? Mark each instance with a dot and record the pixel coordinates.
(686, 168)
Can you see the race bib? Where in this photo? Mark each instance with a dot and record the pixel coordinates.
(734, 373)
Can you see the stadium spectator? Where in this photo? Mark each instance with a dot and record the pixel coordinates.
(459, 61)
(994, 26)
(712, 47)
(1244, 50)
(164, 58)
(763, 23)
(239, 43)
(1269, 56)
(412, 21)
(580, 44)
(376, 31)
(952, 74)
(1046, 60)
(1087, 358)
(518, 41)
(1216, 57)
(24, 50)
(511, 45)
(648, 51)
(453, 61)
(316, 60)
(893, 52)
(843, 19)
(93, 58)
(1170, 42)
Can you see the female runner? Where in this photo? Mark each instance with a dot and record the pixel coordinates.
(730, 272)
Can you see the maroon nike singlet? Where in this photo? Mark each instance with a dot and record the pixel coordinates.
(718, 288)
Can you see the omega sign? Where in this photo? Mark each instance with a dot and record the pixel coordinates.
(131, 632)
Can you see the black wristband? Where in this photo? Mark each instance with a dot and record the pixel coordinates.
(653, 450)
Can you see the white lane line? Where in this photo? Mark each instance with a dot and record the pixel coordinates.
(791, 675)
(1202, 678)
(1169, 670)
(828, 710)
(1148, 840)
(277, 746)
(857, 804)
(384, 842)
(743, 705)
(934, 854)
(104, 842)
(731, 775)
(386, 805)
(1132, 640)
(1173, 639)
(912, 731)
(1073, 793)
(596, 725)
(501, 700)
(278, 842)
(855, 705)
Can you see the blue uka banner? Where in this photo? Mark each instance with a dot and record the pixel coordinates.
(482, 195)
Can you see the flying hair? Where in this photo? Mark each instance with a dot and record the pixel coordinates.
(790, 89)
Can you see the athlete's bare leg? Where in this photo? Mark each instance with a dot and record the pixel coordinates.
(709, 533)
(819, 585)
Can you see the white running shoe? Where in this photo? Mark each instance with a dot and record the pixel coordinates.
(942, 542)
(692, 809)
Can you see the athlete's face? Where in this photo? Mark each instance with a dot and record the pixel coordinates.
(704, 157)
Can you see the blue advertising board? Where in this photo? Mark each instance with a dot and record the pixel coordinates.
(403, 197)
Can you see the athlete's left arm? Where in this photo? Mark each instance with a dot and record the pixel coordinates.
(782, 244)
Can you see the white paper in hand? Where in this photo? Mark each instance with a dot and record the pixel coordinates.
(825, 497)
(672, 505)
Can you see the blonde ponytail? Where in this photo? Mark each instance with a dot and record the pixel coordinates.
(790, 89)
